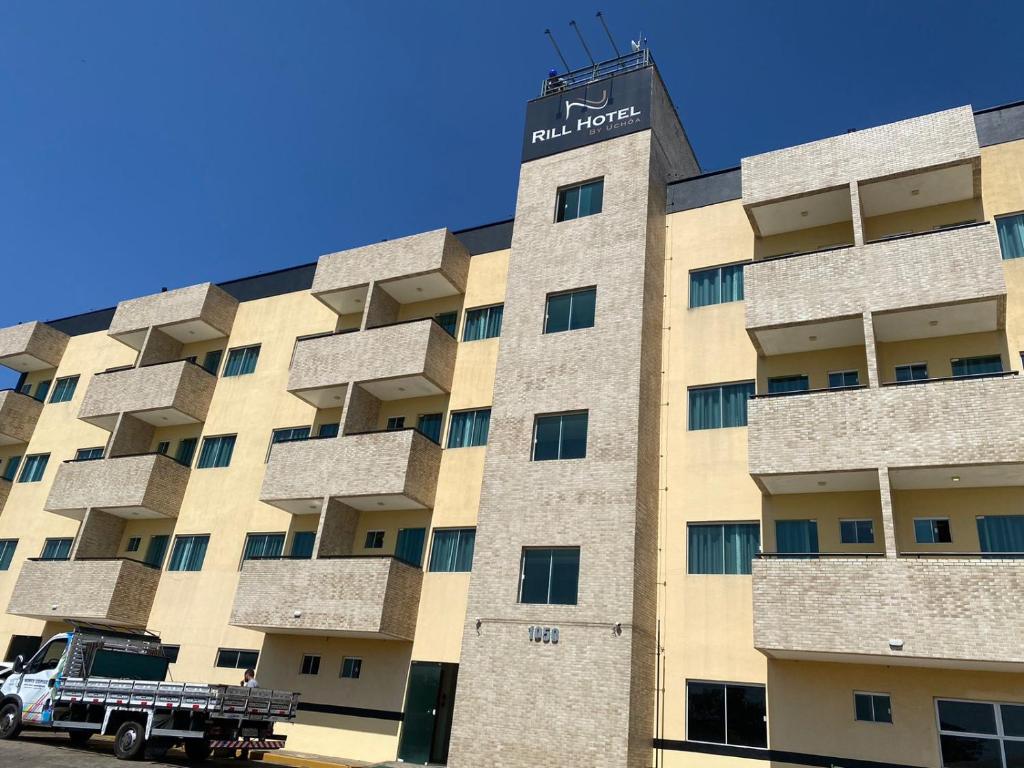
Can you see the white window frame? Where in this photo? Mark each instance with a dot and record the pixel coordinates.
(872, 721)
(933, 542)
(895, 368)
(341, 670)
(828, 374)
(858, 520)
(998, 736)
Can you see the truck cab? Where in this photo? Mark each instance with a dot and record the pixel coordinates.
(31, 683)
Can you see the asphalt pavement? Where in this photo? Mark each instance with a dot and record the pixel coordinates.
(46, 750)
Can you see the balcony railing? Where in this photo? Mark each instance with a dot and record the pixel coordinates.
(599, 71)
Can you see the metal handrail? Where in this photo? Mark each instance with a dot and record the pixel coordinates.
(946, 553)
(69, 559)
(815, 555)
(130, 456)
(572, 79)
(935, 231)
(968, 376)
(843, 388)
(403, 429)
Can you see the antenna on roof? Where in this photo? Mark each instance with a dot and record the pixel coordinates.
(640, 44)
(600, 15)
(557, 49)
(583, 42)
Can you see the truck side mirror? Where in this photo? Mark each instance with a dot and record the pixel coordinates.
(19, 663)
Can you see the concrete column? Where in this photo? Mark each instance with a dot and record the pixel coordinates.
(99, 535)
(858, 214)
(381, 308)
(129, 436)
(870, 350)
(888, 523)
(159, 348)
(361, 412)
(336, 532)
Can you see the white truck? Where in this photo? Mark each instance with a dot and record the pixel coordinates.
(105, 680)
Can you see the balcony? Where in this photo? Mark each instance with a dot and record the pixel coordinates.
(148, 485)
(410, 269)
(18, 416)
(168, 394)
(816, 300)
(5, 490)
(31, 347)
(196, 313)
(967, 421)
(393, 362)
(957, 611)
(108, 591)
(368, 471)
(375, 597)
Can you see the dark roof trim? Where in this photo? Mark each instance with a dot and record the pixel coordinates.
(998, 125)
(706, 189)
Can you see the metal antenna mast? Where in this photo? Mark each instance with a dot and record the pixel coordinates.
(557, 49)
(600, 16)
(583, 42)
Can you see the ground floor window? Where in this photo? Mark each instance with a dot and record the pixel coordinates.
(979, 734)
(726, 713)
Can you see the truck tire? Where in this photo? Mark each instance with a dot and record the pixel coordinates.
(10, 720)
(197, 750)
(79, 738)
(130, 741)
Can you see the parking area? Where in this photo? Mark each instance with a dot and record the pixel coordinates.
(44, 750)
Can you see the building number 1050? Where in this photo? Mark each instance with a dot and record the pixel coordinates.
(543, 634)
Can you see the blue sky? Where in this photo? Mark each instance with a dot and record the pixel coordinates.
(147, 144)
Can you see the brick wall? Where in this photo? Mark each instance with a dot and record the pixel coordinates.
(204, 302)
(185, 387)
(18, 416)
(153, 482)
(35, 339)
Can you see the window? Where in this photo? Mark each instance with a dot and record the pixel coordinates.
(33, 468)
(395, 423)
(448, 321)
(189, 553)
(89, 454)
(310, 665)
(186, 451)
(11, 470)
(1001, 533)
(549, 576)
(374, 540)
(133, 544)
(429, 425)
(285, 435)
(796, 537)
(25, 646)
(263, 545)
(242, 361)
(351, 667)
(56, 549)
(1011, 235)
(328, 430)
(42, 390)
(720, 406)
(156, 550)
(64, 389)
(976, 366)
(872, 707)
(717, 285)
(7, 547)
(483, 323)
(580, 200)
(722, 548)
(302, 544)
(163, 446)
(932, 531)
(570, 311)
(452, 551)
(840, 379)
(26, 389)
(469, 428)
(48, 657)
(778, 385)
(560, 436)
(977, 734)
(233, 658)
(211, 362)
(216, 452)
(409, 545)
(857, 531)
(726, 713)
(912, 372)
(171, 652)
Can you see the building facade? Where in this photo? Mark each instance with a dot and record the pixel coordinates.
(674, 468)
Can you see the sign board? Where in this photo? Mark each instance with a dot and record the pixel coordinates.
(605, 109)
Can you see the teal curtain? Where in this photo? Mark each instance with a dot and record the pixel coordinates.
(483, 323)
(841, 379)
(11, 471)
(452, 550)
(741, 543)
(263, 545)
(212, 360)
(302, 544)
(974, 366)
(796, 536)
(469, 428)
(216, 452)
(591, 198)
(448, 321)
(705, 408)
(732, 283)
(1001, 533)
(734, 403)
(912, 372)
(33, 468)
(706, 553)
(780, 384)
(328, 430)
(242, 361)
(705, 287)
(156, 550)
(42, 390)
(1011, 235)
(186, 450)
(409, 546)
(7, 547)
(429, 424)
(189, 553)
(64, 390)
(56, 549)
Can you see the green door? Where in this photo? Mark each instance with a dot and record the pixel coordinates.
(420, 712)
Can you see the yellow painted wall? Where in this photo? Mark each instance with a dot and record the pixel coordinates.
(803, 240)
(922, 219)
(938, 352)
(961, 506)
(828, 509)
(815, 365)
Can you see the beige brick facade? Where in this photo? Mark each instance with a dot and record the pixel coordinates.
(204, 304)
(31, 346)
(148, 484)
(18, 416)
(180, 387)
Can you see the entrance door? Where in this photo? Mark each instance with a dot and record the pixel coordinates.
(427, 721)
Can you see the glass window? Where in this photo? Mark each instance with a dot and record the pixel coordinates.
(216, 452)
(717, 285)
(156, 550)
(781, 384)
(25, 389)
(932, 531)
(56, 549)
(726, 713)
(409, 545)
(189, 553)
(722, 548)
(395, 423)
(170, 652)
(33, 468)
(570, 311)
(560, 436)
(840, 379)
(11, 470)
(286, 435)
(720, 406)
(64, 390)
(88, 454)
(233, 658)
(374, 540)
(429, 425)
(452, 551)
(133, 544)
(211, 361)
(1001, 533)
(857, 531)
(976, 733)
(448, 321)
(483, 323)
(549, 576)
(580, 200)
(328, 430)
(351, 667)
(42, 390)
(310, 665)
(1011, 235)
(469, 428)
(242, 361)
(186, 451)
(302, 544)
(7, 547)
(912, 372)
(259, 546)
(163, 446)
(796, 537)
(976, 366)
(872, 707)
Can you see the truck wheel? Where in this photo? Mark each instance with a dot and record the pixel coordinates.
(10, 720)
(197, 750)
(130, 741)
(79, 738)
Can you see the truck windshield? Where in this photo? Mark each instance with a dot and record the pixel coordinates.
(134, 666)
